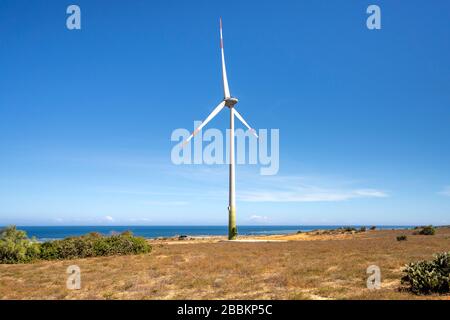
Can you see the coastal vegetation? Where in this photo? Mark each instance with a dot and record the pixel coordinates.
(428, 231)
(16, 247)
(429, 276)
(341, 230)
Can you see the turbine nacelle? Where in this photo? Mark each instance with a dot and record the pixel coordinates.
(230, 102)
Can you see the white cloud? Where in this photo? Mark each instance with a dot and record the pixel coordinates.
(256, 188)
(108, 218)
(308, 196)
(257, 218)
(166, 203)
(445, 192)
(295, 189)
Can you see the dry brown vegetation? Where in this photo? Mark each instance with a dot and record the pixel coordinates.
(323, 267)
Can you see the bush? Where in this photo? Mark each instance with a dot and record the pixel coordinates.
(425, 277)
(428, 231)
(402, 238)
(349, 229)
(373, 228)
(94, 245)
(16, 247)
(362, 229)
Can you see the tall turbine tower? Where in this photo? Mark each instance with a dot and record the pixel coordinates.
(230, 102)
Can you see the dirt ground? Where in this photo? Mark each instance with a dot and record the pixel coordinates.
(307, 266)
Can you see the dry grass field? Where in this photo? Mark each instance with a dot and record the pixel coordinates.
(305, 267)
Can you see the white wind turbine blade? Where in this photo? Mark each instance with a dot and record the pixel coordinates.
(208, 119)
(238, 115)
(226, 89)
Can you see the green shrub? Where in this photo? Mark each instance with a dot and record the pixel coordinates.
(428, 231)
(16, 247)
(362, 229)
(373, 228)
(94, 245)
(425, 277)
(402, 238)
(349, 229)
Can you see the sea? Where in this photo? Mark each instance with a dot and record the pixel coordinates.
(47, 233)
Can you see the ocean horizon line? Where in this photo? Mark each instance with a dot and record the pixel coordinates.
(45, 233)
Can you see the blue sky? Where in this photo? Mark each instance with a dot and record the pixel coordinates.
(86, 115)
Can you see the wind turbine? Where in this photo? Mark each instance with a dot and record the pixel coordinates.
(230, 102)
